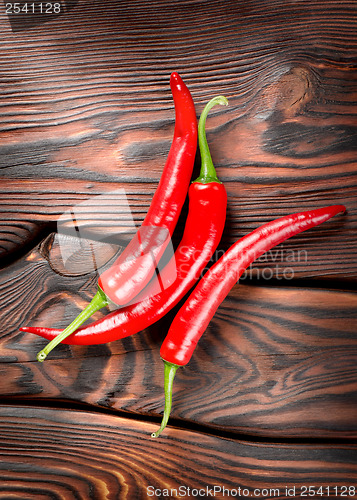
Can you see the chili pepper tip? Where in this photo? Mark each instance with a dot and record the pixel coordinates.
(175, 76)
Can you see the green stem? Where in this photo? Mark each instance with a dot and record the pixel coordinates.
(208, 172)
(169, 374)
(99, 300)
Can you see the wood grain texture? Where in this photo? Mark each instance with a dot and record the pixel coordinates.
(86, 109)
(48, 453)
(274, 361)
(86, 122)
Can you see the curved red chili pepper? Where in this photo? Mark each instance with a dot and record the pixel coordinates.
(196, 313)
(136, 264)
(203, 231)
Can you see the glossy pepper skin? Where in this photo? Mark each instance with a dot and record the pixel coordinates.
(203, 230)
(194, 316)
(136, 264)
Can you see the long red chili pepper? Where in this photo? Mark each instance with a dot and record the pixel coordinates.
(136, 264)
(203, 231)
(196, 313)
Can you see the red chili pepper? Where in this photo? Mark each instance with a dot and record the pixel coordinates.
(203, 231)
(196, 313)
(136, 264)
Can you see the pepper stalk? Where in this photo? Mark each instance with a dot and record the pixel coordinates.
(99, 300)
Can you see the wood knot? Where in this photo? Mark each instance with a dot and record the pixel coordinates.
(287, 95)
(70, 256)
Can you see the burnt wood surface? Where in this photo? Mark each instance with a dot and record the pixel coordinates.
(82, 455)
(86, 121)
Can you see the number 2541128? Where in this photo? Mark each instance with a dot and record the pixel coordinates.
(33, 8)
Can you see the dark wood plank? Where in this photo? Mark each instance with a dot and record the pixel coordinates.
(86, 121)
(47, 453)
(274, 361)
(90, 112)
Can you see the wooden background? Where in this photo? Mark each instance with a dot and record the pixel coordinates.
(86, 116)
